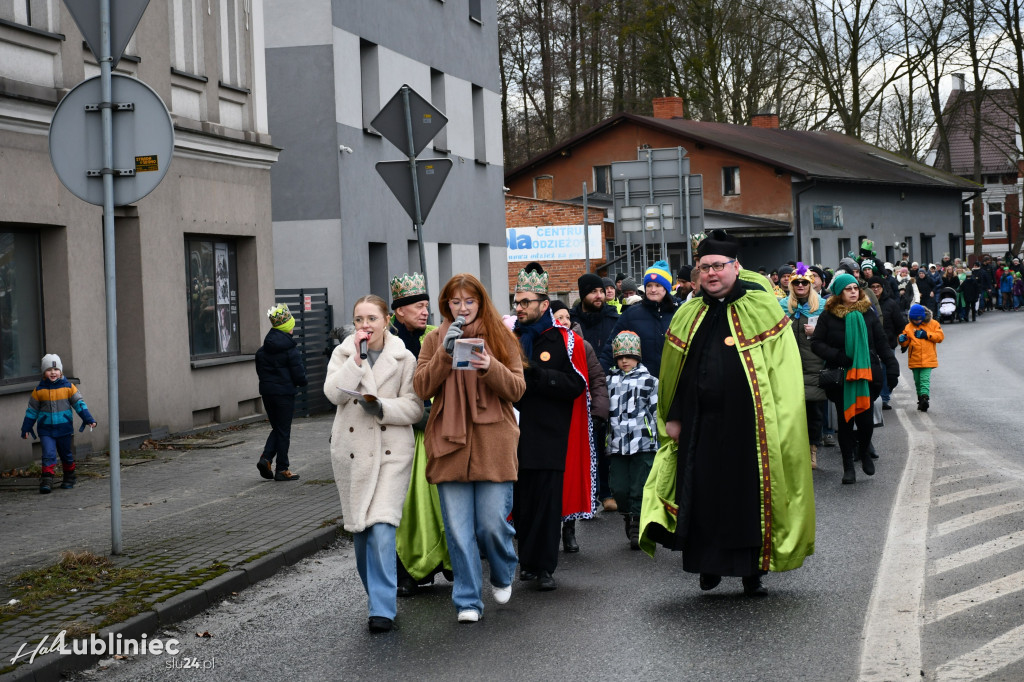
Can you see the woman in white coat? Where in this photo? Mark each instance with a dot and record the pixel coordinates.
(372, 447)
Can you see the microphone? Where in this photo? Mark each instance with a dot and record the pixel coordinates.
(459, 321)
(362, 349)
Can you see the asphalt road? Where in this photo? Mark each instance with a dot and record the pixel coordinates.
(916, 576)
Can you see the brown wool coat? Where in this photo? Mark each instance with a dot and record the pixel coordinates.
(490, 453)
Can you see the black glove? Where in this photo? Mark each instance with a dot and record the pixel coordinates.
(893, 380)
(372, 408)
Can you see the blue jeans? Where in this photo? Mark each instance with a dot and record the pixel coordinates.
(54, 446)
(886, 393)
(476, 519)
(376, 563)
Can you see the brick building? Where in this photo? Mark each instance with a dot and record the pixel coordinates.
(786, 194)
(526, 212)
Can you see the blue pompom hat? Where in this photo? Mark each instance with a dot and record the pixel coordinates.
(917, 312)
(660, 273)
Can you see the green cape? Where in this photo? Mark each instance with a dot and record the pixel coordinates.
(764, 339)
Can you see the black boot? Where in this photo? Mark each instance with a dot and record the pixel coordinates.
(45, 484)
(569, 544)
(866, 463)
(849, 473)
(625, 519)
(923, 403)
(752, 587)
(920, 403)
(68, 482)
(634, 531)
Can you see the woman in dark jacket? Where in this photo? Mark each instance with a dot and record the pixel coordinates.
(803, 307)
(849, 335)
(279, 367)
(648, 319)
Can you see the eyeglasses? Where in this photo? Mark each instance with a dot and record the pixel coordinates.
(524, 303)
(717, 267)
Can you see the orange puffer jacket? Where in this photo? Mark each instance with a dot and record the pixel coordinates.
(922, 351)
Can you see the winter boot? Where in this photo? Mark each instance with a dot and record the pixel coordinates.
(45, 484)
(814, 456)
(920, 403)
(634, 531)
(849, 473)
(68, 482)
(569, 544)
(923, 403)
(625, 518)
(866, 463)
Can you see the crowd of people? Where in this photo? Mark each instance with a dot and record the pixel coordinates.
(694, 404)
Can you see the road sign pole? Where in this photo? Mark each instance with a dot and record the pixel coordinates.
(418, 219)
(586, 228)
(113, 413)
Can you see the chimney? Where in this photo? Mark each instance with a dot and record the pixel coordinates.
(764, 119)
(668, 107)
(958, 82)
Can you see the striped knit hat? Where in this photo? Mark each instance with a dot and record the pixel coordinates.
(659, 273)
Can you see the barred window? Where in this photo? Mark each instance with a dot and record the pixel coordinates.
(21, 306)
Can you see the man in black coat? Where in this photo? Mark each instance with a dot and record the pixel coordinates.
(279, 367)
(970, 289)
(596, 319)
(545, 417)
(893, 322)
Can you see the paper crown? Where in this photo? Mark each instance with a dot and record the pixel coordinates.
(279, 314)
(407, 288)
(696, 239)
(626, 343)
(532, 279)
(801, 272)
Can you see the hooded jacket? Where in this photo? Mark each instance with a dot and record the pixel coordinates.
(279, 365)
(922, 351)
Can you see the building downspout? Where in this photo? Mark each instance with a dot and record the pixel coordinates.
(796, 218)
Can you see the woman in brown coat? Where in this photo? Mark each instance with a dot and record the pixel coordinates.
(471, 440)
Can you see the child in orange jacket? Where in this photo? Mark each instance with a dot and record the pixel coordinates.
(919, 337)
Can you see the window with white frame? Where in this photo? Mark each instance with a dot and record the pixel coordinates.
(730, 181)
(995, 216)
(235, 23)
(21, 305)
(186, 17)
(212, 297)
(41, 14)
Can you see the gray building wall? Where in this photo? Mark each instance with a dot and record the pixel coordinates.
(331, 66)
(886, 215)
(218, 184)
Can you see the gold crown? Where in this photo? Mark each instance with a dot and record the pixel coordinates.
(696, 239)
(626, 343)
(279, 314)
(408, 284)
(532, 282)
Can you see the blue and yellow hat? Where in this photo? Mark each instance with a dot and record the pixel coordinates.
(659, 273)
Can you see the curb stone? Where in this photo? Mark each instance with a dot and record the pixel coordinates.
(52, 667)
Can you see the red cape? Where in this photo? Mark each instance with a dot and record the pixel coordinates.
(579, 487)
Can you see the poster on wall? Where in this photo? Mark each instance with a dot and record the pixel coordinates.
(223, 282)
(552, 242)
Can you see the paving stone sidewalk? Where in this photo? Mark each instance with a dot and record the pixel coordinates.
(199, 522)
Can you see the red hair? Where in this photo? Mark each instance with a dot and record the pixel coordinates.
(502, 340)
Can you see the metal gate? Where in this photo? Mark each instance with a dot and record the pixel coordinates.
(314, 319)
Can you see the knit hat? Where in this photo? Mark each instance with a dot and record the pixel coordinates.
(607, 282)
(628, 284)
(557, 305)
(408, 288)
(848, 264)
(868, 263)
(818, 271)
(785, 270)
(719, 243)
(626, 344)
(917, 312)
(51, 361)
(876, 280)
(659, 274)
(532, 279)
(684, 274)
(280, 317)
(588, 282)
(619, 277)
(841, 281)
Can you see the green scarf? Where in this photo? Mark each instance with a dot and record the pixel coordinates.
(856, 392)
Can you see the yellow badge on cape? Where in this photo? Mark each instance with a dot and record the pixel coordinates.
(729, 341)
(545, 356)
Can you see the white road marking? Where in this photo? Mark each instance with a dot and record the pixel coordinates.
(976, 492)
(956, 478)
(980, 516)
(978, 552)
(996, 655)
(891, 646)
(981, 594)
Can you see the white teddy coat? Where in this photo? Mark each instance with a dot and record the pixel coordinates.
(372, 456)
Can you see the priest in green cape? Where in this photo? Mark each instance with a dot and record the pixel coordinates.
(420, 540)
(731, 483)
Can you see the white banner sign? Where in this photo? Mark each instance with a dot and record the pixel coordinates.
(551, 242)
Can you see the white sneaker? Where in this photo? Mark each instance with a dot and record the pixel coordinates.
(502, 594)
(469, 616)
